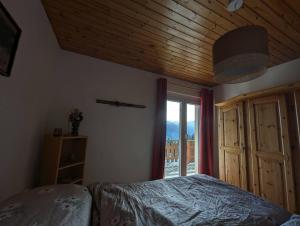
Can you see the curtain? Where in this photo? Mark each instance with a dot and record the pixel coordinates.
(205, 161)
(158, 152)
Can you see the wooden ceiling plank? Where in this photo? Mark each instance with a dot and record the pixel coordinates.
(159, 59)
(129, 52)
(163, 23)
(173, 11)
(174, 34)
(160, 14)
(97, 34)
(169, 71)
(131, 26)
(276, 53)
(128, 44)
(274, 60)
(107, 54)
(124, 61)
(104, 55)
(252, 15)
(294, 5)
(286, 13)
(192, 16)
(158, 69)
(240, 20)
(287, 52)
(188, 45)
(220, 10)
(92, 28)
(263, 10)
(209, 14)
(228, 24)
(179, 40)
(171, 37)
(148, 59)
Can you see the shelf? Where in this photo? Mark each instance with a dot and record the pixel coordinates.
(76, 181)
(70, 180)
(71, 165)
(73, 137)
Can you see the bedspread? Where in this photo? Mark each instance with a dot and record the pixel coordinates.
(191, 200)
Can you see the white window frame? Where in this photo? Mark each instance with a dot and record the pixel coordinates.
(184, 100)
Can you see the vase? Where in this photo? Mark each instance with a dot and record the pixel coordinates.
(75, 128)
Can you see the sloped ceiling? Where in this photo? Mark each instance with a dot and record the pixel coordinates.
(171, 37)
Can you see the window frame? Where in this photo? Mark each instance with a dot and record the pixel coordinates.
(184, 100)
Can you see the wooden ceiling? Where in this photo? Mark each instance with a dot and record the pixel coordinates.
(171, 37)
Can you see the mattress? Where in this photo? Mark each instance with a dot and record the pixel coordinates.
(191, 200)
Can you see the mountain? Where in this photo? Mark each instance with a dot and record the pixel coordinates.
(173, 130)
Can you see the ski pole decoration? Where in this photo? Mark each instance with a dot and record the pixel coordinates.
(119, 104)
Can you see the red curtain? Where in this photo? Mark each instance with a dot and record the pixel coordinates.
(205, 165)
(158, 153)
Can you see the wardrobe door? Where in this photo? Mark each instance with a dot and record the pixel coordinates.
(232, 163)
(270, 151)
(296, 146)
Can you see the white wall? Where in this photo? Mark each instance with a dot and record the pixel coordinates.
(24, 97)
(120, 139)
(278, 75)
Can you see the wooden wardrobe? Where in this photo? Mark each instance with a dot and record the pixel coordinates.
(259, 141)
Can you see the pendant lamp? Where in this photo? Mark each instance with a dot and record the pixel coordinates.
(241, 55)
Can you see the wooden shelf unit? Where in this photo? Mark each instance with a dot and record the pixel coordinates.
(63, 160)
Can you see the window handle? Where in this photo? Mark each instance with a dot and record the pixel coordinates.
(186, 137)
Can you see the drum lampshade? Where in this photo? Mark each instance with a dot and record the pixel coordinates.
(241, 55)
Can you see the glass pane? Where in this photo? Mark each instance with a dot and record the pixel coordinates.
(172, 157)
(191, 132)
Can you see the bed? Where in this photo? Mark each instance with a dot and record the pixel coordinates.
(192, 200)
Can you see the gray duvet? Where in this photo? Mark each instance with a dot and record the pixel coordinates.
(192, 200)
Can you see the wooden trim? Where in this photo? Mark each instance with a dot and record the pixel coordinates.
(61, 141)
(71, 165)
(254, 166)
(221, 145)
(265, 92)
(73, 137)
(76, 181)
(241, 131)
(289, 177)
(295, 111)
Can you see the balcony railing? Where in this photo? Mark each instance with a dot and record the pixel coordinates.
(172, 166)
(172, 151)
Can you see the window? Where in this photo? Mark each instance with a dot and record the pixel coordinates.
(182, 138)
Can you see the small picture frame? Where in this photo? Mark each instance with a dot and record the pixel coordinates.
(10, 34)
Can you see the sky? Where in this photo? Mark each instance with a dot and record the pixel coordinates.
(173, 111)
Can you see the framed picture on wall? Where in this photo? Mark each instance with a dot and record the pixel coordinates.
(9, 38)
